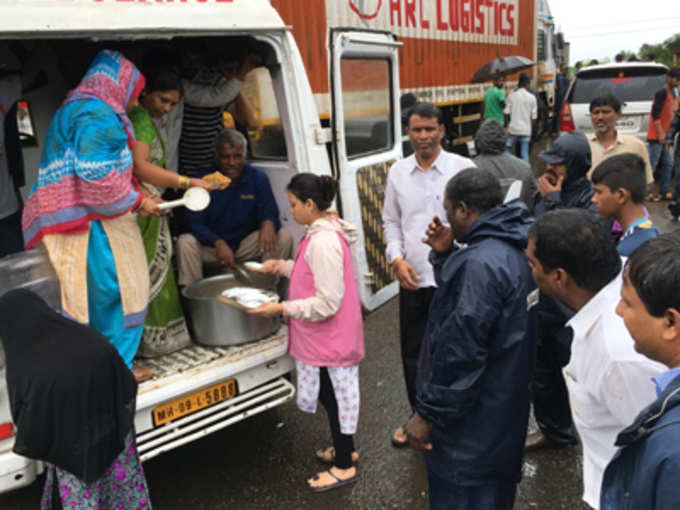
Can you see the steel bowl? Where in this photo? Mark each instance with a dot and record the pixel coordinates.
(218, 324)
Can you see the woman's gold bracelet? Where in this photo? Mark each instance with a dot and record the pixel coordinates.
(184, 182)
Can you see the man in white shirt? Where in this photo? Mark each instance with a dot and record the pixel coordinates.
(413, 195)
(573, 259)
(522, 108)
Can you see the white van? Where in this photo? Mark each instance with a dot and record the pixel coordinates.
(288, 139)
(633, 83)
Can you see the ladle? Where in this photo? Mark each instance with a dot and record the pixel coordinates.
(194, 199)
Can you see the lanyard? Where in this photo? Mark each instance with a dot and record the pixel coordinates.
(632, 226)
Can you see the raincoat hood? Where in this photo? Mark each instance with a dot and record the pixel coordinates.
(572, 150)
(490, 138)
(334, 224)
(509, 223)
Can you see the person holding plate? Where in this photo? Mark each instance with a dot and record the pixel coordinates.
(324, 320)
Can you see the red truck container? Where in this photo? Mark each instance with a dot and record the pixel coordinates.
(444, 43)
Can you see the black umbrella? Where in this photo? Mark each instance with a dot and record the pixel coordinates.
(500, 67)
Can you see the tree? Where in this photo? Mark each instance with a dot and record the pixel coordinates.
(662, 52)
(626, 54)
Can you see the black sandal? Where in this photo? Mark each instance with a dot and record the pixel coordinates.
(338, 483)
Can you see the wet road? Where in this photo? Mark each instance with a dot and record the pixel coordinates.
(262, 463)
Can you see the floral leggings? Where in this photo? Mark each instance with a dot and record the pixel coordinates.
(121, 487)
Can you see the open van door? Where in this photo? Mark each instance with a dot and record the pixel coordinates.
(366, 125)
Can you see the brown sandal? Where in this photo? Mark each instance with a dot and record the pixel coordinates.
(657, 198)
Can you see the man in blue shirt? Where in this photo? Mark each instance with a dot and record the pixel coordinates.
(645, 471)
(242, 221)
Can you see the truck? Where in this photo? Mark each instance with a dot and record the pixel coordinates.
(326, 100)
(444, 43)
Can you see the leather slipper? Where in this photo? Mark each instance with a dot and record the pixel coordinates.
(338, 482)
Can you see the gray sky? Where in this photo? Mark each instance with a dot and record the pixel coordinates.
(602, 28)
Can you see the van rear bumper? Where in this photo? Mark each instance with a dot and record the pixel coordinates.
(194, 426)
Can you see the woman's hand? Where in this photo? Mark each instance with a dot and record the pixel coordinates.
(148, 207)
(267, 310)
(270, 266)
(200, 183)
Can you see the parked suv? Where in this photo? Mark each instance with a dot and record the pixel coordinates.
(634, 83)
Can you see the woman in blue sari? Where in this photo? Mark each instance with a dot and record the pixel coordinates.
(81, 206)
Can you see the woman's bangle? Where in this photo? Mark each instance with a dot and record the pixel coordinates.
(184, 182)
(139, 205)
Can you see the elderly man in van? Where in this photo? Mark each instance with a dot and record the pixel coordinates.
(242, 221)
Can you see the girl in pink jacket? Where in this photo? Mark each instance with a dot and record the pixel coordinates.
(324, 319)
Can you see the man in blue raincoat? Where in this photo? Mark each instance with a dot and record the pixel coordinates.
(472, 401)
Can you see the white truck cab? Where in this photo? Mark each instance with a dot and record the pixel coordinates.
(199, 390)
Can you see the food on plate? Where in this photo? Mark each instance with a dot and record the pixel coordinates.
(218, 178)
(251, 297)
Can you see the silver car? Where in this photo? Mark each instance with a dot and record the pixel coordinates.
(633, 83)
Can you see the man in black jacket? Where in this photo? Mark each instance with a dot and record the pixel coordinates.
(673, 130)
(472, 399)
(564, 185)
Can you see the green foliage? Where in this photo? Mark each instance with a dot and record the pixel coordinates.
(627, 54)
(662, 52)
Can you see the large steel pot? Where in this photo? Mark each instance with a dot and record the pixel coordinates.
(217, 323)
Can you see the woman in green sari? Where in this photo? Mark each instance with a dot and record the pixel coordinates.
(165, 329)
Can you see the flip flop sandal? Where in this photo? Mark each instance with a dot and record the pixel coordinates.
(337, 483)
(657, 198)
(330, 457)
(399, 444)
(669, 196)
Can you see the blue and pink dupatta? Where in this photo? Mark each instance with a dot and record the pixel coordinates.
(86, 167)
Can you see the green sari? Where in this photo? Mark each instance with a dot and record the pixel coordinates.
(165, 329)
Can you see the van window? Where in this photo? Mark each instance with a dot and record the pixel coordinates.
(265, 136)
(366, 105)
(627, 84)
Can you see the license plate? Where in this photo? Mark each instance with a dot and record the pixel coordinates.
(194, 402)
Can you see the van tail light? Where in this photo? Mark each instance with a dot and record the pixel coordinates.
(6, 430)
(566, 120)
